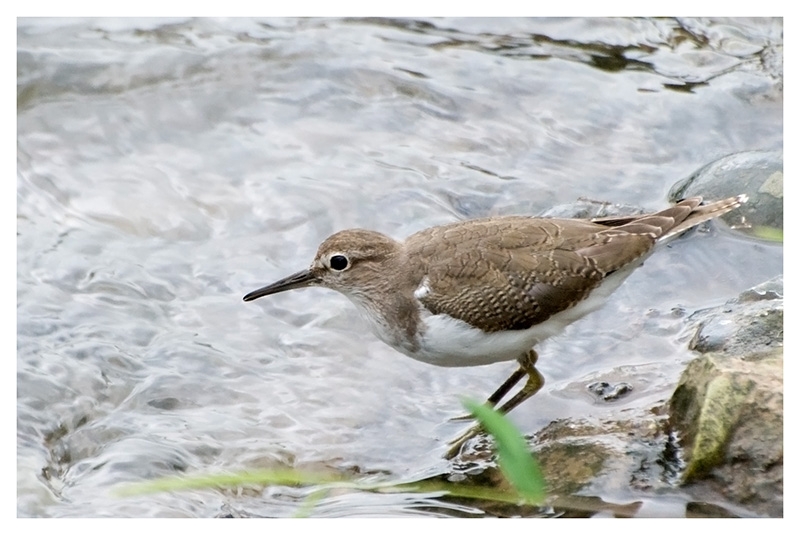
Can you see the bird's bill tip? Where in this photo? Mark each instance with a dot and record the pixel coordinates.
(301, 279)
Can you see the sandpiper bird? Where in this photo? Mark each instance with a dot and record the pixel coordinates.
(488, 290)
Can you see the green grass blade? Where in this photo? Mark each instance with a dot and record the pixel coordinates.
(324, 483)
(516, 461)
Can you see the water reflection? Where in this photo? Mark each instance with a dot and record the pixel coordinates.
(166, 166)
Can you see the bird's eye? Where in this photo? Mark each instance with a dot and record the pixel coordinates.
(339, 262)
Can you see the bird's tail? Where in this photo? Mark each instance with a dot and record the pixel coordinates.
(675, 219)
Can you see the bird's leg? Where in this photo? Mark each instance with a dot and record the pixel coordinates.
(499, 393)
(534, 384)
(506, 386)
(527, 365)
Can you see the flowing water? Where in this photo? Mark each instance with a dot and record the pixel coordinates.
(168, 167)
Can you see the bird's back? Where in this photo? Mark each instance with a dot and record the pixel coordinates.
(513, 272)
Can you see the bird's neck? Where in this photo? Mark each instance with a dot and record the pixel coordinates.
(386, 299)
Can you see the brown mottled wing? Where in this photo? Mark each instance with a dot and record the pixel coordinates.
(514, 272)
(515, 276)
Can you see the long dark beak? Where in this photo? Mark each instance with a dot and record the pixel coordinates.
(301, 279)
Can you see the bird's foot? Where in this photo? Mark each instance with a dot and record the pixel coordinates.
(455, 445)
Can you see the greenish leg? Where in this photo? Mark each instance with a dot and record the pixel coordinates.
(527, 366)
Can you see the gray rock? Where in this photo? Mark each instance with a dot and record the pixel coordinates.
(759, 174)
(745, 326)
(728, 407)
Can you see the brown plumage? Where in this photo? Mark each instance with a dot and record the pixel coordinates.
(487, 290)
(513, 272)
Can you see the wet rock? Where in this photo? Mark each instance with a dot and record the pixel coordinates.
(706, 510)
(728, 407)
(574, 456)
(591, 209)
(759, 174)
(729, 415)
(569, 465)
(745, 326)
(609, 392)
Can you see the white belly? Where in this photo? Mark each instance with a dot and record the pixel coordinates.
(450, 342)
